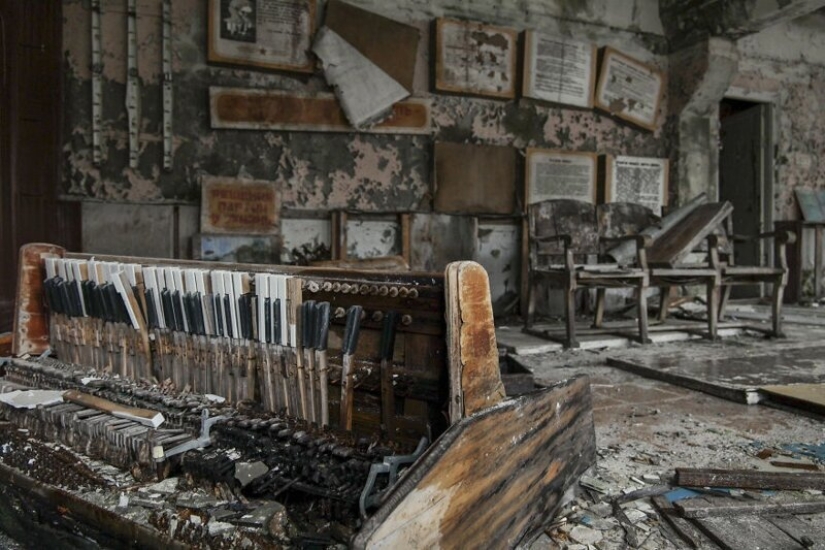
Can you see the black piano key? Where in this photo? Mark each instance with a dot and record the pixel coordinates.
(199, 318)
(227, 305)
(276, 322)
(268, 320)
(151, 310)
(218, 312)
(177, 310)
(168, 308)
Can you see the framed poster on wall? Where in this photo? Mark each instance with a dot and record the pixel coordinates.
(639, 180)
(267, 34)
(473, 58)
(559, 70)
(560, 175)
(629, 89)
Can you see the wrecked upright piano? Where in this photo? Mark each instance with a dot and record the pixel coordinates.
(278, 406)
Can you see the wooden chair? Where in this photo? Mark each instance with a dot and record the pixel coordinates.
(668, 254)
(563, 234)
(776, 275)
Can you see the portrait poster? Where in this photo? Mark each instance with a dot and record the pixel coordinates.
(268, 34)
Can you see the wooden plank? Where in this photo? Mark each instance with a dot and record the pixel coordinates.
(248, 109)
(708, 507)
(494, 479)
(475, 377)
(31, 330)
(683, 527)
(146, 417)
(391, 45)
(809, 397)
(672, 247)
(475, 179)
(231, 205)
(748, 479)
(725, 391)
(741, 533)
(806, 530)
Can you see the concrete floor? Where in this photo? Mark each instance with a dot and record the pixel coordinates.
(646, 428)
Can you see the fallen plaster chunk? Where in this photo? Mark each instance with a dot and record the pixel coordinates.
(29, 399)
(366, 93)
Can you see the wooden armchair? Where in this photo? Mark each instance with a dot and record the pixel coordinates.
(776, 275)
(563, 235)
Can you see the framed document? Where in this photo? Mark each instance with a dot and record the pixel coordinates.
(629, 89)
(231, 205)
(640, 180)
(560, 175)
(559, 70)
(269, 34)
(474, 58)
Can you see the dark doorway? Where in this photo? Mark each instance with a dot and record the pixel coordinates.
(743, 177)
(30, 137)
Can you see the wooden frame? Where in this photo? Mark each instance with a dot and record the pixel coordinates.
(610, 183)
(256, 109)
(453, 37)
(558, 158)
(238, 43)
(231, 205)
(629, 89)
(571, 70)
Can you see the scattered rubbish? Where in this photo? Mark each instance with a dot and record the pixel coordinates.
(30, 399)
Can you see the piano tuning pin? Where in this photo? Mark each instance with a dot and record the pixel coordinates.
(383, 290)
(339, 313)
(377, 316)
(312, 286)
(327, 286)
(365, 289)
(373, 290)
(406, 320)
(345, 288)
(336, 287)
(403, 292)
(393, 291)
(413, 293)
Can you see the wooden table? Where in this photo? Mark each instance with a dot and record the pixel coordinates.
(793, 292)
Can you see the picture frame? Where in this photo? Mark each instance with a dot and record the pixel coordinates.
(262, 34)
(476, 59)
(629, 89)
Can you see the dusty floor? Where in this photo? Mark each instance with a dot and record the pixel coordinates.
(646, 428)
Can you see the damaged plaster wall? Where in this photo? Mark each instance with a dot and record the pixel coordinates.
(785, 65)
(324, 171)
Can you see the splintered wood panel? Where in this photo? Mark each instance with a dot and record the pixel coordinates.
(672, 247)
(495, 478)
(387, 43)
(617, 219)
(750, 532)
(475, 377)
(245, 109)
(31, 330)
(230, 205)
(475, 179)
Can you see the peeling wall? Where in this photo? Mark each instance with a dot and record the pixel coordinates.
(785, 66)
(323, 171)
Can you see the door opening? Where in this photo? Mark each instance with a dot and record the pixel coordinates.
(744, 177)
